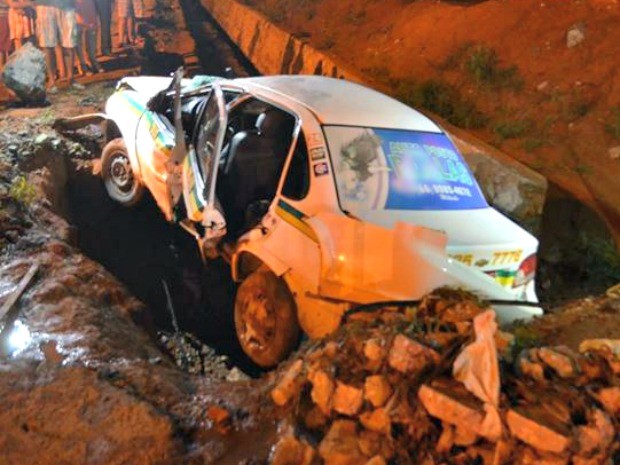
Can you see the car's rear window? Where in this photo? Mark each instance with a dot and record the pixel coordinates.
(386, 169)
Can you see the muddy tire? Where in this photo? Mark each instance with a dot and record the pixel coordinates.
(118, 178)
(266, 318)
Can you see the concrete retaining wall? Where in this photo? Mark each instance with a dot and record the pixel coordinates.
(508, 185)
(271, 49)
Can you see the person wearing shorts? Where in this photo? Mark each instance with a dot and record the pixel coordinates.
(5, 37)
(128, 12)
(57, 29)
(21, 21)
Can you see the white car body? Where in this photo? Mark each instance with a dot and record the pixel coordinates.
(331, 260)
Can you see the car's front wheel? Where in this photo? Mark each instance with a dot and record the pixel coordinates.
(118, 178)
(266, 318)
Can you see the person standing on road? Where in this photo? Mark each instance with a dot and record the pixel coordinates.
(129, 13)
(21, 21)
(57, 31)
(87, 36)
(104, 10)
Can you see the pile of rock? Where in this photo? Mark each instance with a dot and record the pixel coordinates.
(419, 387)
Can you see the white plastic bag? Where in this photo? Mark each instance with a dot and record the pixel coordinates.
(477, 368)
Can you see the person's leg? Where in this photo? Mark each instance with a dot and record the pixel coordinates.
(69, 59)
(122, 10)
(69, 43)
(138, 16)
(60, 63)
(79, 51)
(122, 30)
(131, 37)
(5, 40)
(46, 35)
(50, 63)
(91, 47)
(104, 9)
(14, 28)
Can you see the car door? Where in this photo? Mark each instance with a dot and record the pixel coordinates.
(156, 143)
(201, 169)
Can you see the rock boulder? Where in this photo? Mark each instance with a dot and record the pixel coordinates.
(24, 74)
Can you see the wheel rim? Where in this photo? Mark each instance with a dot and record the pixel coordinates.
(258, 322)
(121, 174)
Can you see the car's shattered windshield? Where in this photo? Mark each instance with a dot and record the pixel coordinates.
(385, 169)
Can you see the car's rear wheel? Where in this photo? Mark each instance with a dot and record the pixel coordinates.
(118, 178)
(266, 318)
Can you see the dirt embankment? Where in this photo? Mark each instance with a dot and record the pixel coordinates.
(510, 71)
(86, 381)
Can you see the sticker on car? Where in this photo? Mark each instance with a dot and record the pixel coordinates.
(317, 153)
(320, 169)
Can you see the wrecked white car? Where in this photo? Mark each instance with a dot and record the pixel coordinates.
(321, 194)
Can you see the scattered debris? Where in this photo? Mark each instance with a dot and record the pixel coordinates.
(194, 357)
(423, 385)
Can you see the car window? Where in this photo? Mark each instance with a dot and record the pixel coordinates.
(386, 169)
(297, 181)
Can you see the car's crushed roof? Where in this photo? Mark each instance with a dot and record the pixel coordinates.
(340, 102)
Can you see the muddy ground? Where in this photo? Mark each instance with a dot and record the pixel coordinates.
(89, 379)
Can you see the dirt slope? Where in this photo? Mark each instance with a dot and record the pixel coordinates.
(501, 68)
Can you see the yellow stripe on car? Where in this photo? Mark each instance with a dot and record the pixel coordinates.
(296, 219)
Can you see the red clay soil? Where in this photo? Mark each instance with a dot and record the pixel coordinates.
(560, 111)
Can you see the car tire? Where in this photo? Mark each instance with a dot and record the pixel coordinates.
(266, 318)
(118, 177)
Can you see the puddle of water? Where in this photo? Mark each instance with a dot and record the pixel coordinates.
(19, 338)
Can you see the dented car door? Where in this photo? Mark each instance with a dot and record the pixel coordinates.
(201, 169)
